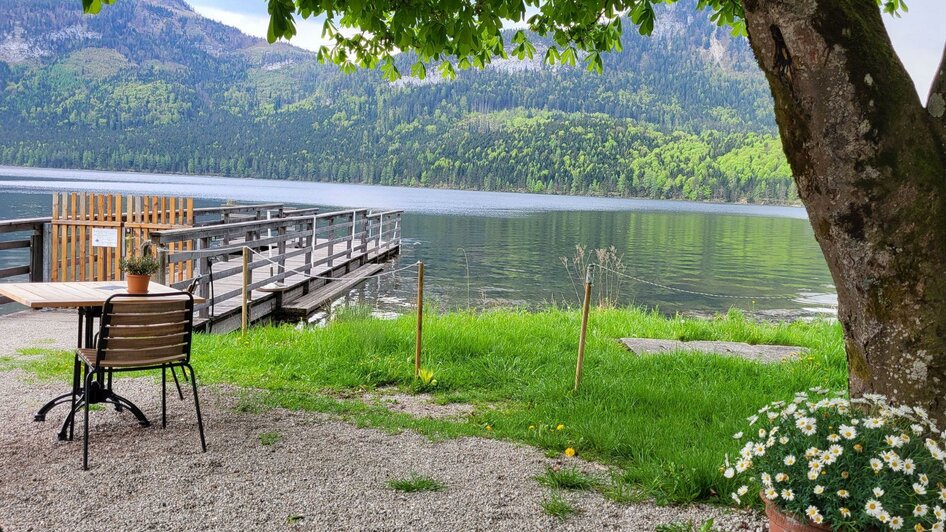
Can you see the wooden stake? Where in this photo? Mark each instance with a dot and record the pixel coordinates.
(420, 317)
(584, 329)
(245, 322)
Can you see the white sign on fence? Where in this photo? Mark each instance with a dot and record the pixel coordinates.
(104, 238)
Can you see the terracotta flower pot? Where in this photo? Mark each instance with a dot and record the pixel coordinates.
(137, 284)
(779, 522)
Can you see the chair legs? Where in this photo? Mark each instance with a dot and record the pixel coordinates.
(200, 421)
(180, 394)
(87, 397)
(90, 376)
(164, 396)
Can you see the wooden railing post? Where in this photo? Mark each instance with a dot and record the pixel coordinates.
(36, 255)
(420, 318)
(203, 271)
(247, 279)
(579, 367)
(331, 241)
(281, 248)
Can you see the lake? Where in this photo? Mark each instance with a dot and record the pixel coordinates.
(484, 249)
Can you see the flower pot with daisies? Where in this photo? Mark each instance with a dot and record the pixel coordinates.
(823, 462)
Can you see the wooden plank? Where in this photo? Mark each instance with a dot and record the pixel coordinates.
(144, 342)
(74, 294)
(147, 329)
(14, 244)
(54, 244)
(16, 270)
(85, 243)
(100, 253)
(311, 302)
(72, 241)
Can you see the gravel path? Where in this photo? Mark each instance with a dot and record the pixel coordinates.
(320, 474)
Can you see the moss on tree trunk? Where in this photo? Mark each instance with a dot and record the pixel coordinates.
(870, 165)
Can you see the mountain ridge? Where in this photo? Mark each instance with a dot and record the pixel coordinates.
(151, 85)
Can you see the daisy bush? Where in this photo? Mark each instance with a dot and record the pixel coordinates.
(848, 464)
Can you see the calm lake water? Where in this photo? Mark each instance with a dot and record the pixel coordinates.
(484, 249)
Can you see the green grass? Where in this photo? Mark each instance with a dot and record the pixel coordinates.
(568, 478)
(415, 483)
(685, 527)
(269, 438)
(663, 421)
(558, 507)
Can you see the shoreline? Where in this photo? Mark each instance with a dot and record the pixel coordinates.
(127, 176)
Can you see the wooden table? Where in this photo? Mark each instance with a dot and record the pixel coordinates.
(88, 298)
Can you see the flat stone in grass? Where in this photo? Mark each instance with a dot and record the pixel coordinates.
(759, 353)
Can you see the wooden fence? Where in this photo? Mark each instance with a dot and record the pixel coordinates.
(91, 233)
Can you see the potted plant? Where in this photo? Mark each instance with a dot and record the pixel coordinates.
(138, 271)
(823, 462)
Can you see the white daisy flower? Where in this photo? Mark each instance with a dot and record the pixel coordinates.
(729, 472)
(737, 436)
(783, 440)
(844, 494)
(878, 492)
(834, 438)
(844, 511)
(873, 507)
(896, 522)
(876, 465)
(909, 467)
(920, 510)
(781, 477)
(919, 489)
(771, 494)
(819, 489)
(789, 460)
(788, 495)
(893, 441)
(847, 432)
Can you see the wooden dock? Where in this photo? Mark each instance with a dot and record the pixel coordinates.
(301, 260)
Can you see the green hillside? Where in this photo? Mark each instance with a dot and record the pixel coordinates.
(150, 85)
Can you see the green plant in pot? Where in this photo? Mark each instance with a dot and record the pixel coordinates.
(824, 462)
(138, 271)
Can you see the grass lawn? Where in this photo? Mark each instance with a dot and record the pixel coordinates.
(664, 421)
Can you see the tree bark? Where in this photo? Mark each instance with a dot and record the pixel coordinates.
(870, 164)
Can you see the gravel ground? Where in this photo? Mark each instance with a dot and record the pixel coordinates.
(320, 474)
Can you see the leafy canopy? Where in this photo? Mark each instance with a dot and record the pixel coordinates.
(468, 33)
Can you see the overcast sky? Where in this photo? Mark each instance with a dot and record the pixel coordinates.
(918, 36)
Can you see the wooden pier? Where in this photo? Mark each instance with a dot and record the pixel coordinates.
(301, 260)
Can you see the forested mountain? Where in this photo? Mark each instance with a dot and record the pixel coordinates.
(150, 85)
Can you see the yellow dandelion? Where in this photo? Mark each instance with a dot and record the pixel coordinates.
(489, 427)
(531, 427)
(560, 426)
(570, 452)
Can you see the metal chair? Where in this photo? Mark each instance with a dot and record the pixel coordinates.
(139, 332)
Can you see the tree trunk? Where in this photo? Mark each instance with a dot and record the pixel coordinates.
(870, 164)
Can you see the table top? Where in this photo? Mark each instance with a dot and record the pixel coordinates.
(74, 294)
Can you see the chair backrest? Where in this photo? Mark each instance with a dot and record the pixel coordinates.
(145, 330)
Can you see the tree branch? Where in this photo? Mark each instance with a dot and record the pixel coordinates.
(936, 103)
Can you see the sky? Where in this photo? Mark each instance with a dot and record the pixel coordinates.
(918, 36)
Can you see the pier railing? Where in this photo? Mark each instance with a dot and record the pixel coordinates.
(293, 245)
(28, 234)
